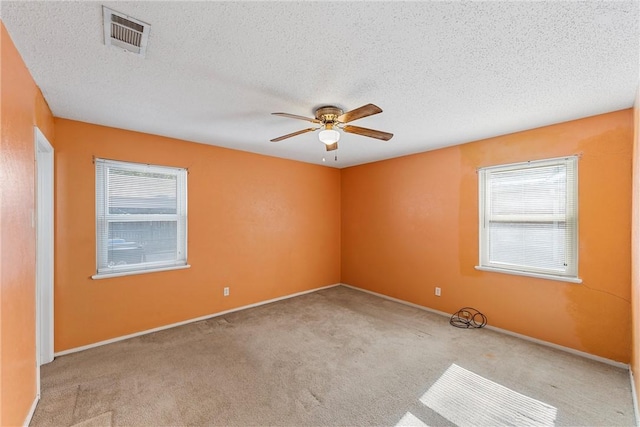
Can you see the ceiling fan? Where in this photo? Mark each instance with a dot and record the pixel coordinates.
(331, 118)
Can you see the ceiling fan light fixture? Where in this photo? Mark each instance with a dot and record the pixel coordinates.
(329, 136)
(331, 119)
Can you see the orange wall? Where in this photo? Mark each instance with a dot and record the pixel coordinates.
(410, 224)
(635, 251)
(22, 107)
(263, 226)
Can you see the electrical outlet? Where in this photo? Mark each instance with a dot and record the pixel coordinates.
(226, 292)
(437, 291)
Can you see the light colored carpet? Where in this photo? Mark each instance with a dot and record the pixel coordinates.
(102, 420)
(334, 357)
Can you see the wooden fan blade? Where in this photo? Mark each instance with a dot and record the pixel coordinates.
(332, 147)
(300, 132)
(358, 113)
(385, 136)
(293, 116)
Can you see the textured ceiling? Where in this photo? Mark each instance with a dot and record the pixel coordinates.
(444, 73)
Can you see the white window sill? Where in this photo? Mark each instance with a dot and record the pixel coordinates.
(529, 274)
(130, 273)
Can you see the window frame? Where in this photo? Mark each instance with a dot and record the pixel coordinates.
(103, 218)
(570, 218)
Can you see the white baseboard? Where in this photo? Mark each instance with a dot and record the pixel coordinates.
(31, 411)
(185, 322)
(562, 348)
(421, 307)
(634, 397)
(504, 331)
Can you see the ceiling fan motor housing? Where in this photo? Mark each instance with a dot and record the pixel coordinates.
(328, 114)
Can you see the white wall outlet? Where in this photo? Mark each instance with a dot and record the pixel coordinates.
(438, 291)
(226, 292)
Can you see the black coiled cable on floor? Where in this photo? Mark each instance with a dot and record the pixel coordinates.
(468, 317)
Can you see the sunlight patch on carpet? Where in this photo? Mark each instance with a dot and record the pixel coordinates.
(468, 399)
(102, 420)
(410, 420)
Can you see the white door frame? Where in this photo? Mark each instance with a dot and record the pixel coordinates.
(44, 250)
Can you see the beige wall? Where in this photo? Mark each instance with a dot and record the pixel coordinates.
(22, 107)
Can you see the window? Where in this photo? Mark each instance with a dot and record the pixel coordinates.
(141, 218)
(529, 219)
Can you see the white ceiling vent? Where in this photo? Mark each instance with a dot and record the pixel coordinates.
(125, 32)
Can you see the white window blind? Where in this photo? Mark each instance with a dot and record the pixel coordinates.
(529, 218)
(141, 217)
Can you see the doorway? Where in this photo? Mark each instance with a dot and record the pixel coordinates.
(44, 249)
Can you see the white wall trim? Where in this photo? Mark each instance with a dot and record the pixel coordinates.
(562, 348)
(401, 301)
(528, 274)
(32, 411)
(421, 307)
(133, 272)
(504, 331)
(185, 322)
(634, 397)
(44, 224)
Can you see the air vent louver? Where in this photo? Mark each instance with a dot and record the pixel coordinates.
(125, 32)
